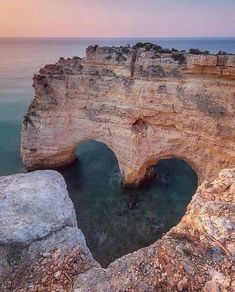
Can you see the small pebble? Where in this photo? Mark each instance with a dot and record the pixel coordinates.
(57, 275)
(46, 254)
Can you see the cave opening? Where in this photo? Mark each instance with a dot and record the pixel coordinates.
(115, 220)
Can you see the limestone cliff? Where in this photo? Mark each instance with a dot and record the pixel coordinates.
(142, 104)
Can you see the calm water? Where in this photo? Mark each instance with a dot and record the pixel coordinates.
(19, 60)
(116, 221)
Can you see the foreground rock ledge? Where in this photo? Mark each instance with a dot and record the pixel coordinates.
(144, 105)
(196, 255)
(41, 247)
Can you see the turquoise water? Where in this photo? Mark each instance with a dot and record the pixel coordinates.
(110, 227)
(117, 221)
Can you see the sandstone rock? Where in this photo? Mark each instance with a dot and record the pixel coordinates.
(202, 60)
(211, 286)
(57, 275)
(186, 104)
(33, 206)
(230, 61)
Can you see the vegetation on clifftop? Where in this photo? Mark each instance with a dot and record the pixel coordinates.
(150, 46)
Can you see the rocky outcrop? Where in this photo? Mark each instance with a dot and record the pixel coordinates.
(196, 255)
(144, 105)
(32, 213)
(41, 247)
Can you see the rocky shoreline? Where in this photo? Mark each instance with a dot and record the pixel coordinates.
(42, 249)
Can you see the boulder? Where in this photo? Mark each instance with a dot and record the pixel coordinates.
(33, 206)
(41, 247)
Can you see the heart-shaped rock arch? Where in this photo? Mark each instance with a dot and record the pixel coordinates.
(142, 114)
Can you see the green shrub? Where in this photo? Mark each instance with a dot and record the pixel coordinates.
(179, 57)
(198, 52)
(222, 53)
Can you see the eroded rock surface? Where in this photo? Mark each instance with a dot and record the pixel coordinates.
(143, 105)
(196, 255)
(41, 247)
(33, 206)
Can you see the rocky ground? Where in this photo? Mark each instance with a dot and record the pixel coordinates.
(41, 248)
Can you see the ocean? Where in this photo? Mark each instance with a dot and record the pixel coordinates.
(103, 197)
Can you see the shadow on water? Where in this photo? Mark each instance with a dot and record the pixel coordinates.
(117, 221)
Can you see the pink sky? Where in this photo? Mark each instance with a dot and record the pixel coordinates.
(99, 18)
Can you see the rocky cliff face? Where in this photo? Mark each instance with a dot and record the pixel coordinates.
(143, 105)
(41, 248)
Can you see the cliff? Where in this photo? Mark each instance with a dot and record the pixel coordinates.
(41, 248)
(144, 105)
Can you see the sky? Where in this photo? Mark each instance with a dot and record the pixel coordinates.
(117, 18)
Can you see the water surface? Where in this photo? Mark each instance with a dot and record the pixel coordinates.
(117, 221)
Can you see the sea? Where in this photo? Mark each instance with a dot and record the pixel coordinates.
(112, 228)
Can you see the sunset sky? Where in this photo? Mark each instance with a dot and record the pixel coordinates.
(117, 18)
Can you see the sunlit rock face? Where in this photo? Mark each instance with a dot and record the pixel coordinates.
(143, 105)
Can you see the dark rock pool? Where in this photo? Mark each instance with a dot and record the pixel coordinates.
(117, 221)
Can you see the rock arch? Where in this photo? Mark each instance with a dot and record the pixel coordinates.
(187, 111)
(109, 147)
(151, 162)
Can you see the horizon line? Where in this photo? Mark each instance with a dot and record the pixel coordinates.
(115, 37)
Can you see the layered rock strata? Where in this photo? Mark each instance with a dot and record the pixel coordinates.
(143, 105)
(196, 255)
